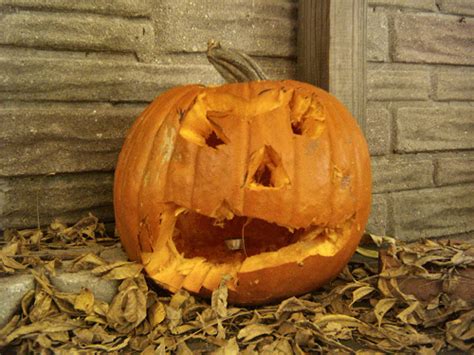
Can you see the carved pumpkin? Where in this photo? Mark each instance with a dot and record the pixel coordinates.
(266, 181)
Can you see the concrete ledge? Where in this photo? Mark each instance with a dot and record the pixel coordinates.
(12, 290)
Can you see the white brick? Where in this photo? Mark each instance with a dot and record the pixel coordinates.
(458, 7)
(378, 129)
(377, 36)
(433, 212)
(454, 84)
(108, 7)
(54, 138)
(396, 85)
(77, 32)
(435, 128)
(69, 197)
(433, 39)
(455, 170)
(396, 173)
(378, 218)
(257, 27)
(428, 5)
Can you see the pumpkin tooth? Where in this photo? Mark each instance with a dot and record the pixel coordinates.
(186, 266)
(194, 280)
(214, 277)
(170, 277)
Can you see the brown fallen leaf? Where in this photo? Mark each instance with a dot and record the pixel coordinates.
(51, 325)
(156, 313)
(85, 301)
(252, 331)
(382, 307)
(230, 348)
(219, 298)
(460, 332)
(118, 271)
(128, 308)
(86, 262)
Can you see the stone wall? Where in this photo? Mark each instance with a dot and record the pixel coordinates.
(75, 74)
(421, 116)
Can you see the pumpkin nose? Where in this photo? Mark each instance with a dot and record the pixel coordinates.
(234, 244)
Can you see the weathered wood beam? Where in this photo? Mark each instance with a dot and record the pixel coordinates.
(332, 47)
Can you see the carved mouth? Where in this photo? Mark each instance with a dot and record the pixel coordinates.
(192, 250)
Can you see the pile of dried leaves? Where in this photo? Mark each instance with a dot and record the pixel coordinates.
(363, 311)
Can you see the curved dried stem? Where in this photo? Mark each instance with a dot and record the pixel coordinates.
(233, 65)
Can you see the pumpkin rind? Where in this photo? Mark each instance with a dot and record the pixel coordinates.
(266, 160)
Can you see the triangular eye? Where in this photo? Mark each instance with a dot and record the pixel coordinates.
(213, 140)
(197, 127)
(263, 176)
(308, 116)
(266, 169)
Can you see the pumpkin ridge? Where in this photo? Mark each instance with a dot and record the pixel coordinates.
(132, 225)
(331, 165)
(294, 178)
(119, 188)
(245, 153)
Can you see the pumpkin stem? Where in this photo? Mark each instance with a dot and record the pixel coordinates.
(233, 65)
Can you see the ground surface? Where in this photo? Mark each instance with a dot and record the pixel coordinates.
(71, 289)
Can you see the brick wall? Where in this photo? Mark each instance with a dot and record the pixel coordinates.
(75, 74)
(421, 116)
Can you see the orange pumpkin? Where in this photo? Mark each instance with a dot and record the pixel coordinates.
(265, 181)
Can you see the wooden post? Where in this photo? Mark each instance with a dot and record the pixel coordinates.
(331, 50)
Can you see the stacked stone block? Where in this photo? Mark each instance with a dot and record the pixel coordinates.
(75, 74)
(421, 117)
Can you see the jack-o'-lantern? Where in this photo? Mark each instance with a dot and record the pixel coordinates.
(265, 181)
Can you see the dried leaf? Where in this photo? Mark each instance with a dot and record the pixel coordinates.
(118, 271)
(174, 317)
(382, 307)
(119, 344)
(360, 293)
(280, 347)
(183, 349)
(85, 301)
(43, 341)
(94, 335)
(11, 325)
(252, 331)
(230, 348)
(85, 262)
(157, 314)
(460, 332)
(42, 307)
(290, 305)
(10, 249)
(219, 297)
(369, 253)
(46, 326)
(346, 321)
(406, 316)
(9, 264)
(128, 308)
(179, 299)
(379, 240)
